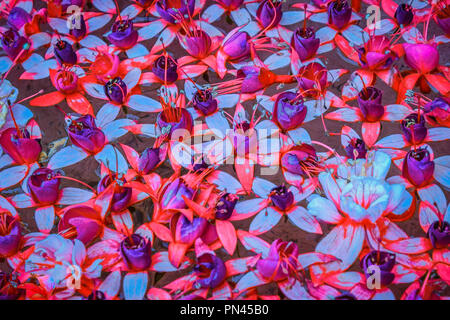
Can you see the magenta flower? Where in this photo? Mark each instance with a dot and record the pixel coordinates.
(204, 102)
(10, 235)
(437, 112)
(136, 252)
(300, 160)
(83, 133)
(225, 206)
(281, 261)
(210, 270)
(305, 43)
(64, 53)
(123, 35)
(237, 47)
(18, 17)
(165, 69)
(404, 14)
(198, 45)
(19, 146)
(339, 13)
(43, 187)
(79, 33)
(122, 195)
(282, 198)
(289, 111)
(173, 10)
(173, 195)
(418, 168)
(376, 54)
(230, 5)
(148, 160)
(384, 261)
(269, 13)
(422, 57)
(13, 43)
(116, 90)
(369, 101)
(439, 234)
(66, 81)
(356, 149)
(413, 130)
(184, 122)
(186, 231)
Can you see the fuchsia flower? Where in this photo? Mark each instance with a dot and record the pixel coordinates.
(305, 43)
(269, 13)
(116, 90)
(136, 252)
(13, 43)
(199, 44)
(19, 146)
(122, 195)
(173, 195)
(211, 271)
(10, 235)
(437, 112)
(418, 168)
(65, 54)
(18, 17)
(413, 129)
(422, 57)
(289, 112)
(83, 133)
(356, 149)
(165, 69)
(43, 187)
(171, 10)
(281, 261)
(376, 54)
(443, 17)
(369, 101)
(123, 35)
(204, 102)
(384, 261)
(404, 14)
(339, 13)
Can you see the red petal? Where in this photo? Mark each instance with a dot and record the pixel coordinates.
(227, 235)
(370, 132)
(48, 99)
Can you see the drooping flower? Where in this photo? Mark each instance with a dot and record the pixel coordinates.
(404, 14)
(282, 198)
(439, 234)
(356, 149)
(418, 168)
(384, 261)
(123, 35)
(237, 47)
(64, 53)
(376, 53)
(369, 101)
(122, 195)
(339, 13)
(413, 129)
(18, 17)
(269, 13)
(10, 235)
(13, 43)
(116, 90)
(43, 186)
(300, 160)
(281, 261)
(186, 231)
(289, 111)
(422, 57)
(173, 195)
(305, 43)
(211, 271)
(165, 69)
(172, 10)
(19, 146)
(225, 206)
(204, 102)
(437, 112)
(83, 133)
(136, 252)
(198, 44)
(148, 160)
